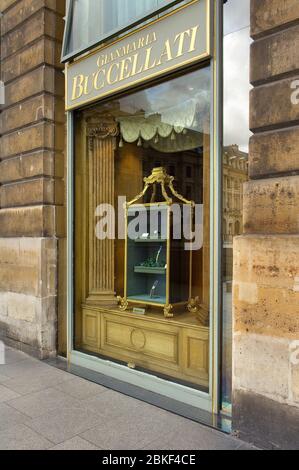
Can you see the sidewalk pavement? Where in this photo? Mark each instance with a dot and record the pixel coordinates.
(44, 408)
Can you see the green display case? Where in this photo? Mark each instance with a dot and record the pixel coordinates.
(158, 268)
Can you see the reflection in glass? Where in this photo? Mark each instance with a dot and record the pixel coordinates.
(235, 160)
(93, 20)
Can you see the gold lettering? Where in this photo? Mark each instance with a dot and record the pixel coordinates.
(77, 87)
(166, 53)
(193, 38)
(124, 68)
(102, 60)
(132, 61)
(141, 43)
(110, 70)
(134, 65)
(96, 79)
(147, 65)
(86, 83)
(181, 37)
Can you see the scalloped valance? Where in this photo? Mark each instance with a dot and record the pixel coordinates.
(177, 129)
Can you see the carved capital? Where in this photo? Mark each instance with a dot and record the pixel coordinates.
(101, 127)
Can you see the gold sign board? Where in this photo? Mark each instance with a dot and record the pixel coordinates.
(175, 40)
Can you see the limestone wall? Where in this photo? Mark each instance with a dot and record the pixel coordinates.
(266, 258)
(31, 172)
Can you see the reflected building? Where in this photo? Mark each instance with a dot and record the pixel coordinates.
(235, 174)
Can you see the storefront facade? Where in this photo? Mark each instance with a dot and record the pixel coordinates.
(92, 202)
(145, 128)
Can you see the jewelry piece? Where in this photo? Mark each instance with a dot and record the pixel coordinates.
(153, 289)
(158, 255)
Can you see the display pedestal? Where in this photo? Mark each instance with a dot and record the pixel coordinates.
(176, 348)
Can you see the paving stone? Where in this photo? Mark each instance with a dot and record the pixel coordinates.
(28, 366)
(3, 378)
(31, 383)
(204, 440)
(193, 436)
(76, 443)
(61, 425)
(10, 417)
(12, 356)
(135, 430)
(46, 401)
(6, 394)
(189, 435)
(159, 444)
(80, 388)
(184, 439)
(22, 438)
(247, 447)
(114, 405)
(117, 434)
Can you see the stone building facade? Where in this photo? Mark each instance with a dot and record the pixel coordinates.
(266, 256)
(31, 172)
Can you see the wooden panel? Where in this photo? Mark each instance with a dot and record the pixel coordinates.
(196, 353)
(90, 331)
(173, 348)
(142, 337)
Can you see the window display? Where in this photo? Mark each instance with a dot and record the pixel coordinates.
(142, 229)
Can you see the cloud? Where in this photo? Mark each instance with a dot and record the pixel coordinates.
(236, 15)
(236, 89)
(236, 73)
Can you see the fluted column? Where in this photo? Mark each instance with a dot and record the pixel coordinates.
(101, 133)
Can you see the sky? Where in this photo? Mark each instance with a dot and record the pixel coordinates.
(236, 78)
(236, 73)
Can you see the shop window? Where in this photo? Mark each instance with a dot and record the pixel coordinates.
(124, 284)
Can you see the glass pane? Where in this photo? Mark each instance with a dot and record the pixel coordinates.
(145, 158)
(147, 257)
(93, 20)
(235, 159)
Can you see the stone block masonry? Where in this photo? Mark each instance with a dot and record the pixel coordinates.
(32, 189)
(266, 257)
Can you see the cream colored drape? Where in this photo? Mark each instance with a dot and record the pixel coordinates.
(175, 129)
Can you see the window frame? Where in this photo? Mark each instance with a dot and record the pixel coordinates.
(106, 38)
